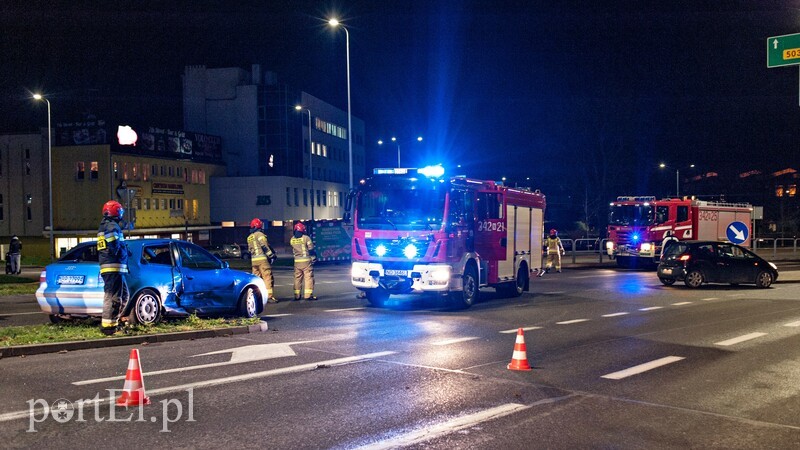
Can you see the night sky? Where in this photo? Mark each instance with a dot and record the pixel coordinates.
(567, 94)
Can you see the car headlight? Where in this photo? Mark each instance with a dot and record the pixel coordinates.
(442, 274)
(610, 245)
(773, 266)
(410, 251)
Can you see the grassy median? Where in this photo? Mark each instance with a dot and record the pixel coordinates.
(89, 329)
(17, 285)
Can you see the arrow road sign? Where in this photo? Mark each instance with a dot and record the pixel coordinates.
(783, 50)
(738, 232)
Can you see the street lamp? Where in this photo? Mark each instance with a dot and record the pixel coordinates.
(677, 177)
(335, 23)
(394, 139)
(49, 169)
(310, 158)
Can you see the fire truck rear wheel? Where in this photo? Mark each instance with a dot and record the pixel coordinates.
(469, 295)
(377, 296)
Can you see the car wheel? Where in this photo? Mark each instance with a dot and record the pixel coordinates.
(666, 281)
(55, 318)
(694, 279)
(146, 308)
(377, 297)
(470, 291)
(248, 303)
(764, 279)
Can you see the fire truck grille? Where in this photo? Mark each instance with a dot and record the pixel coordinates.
(388, 248)
(624, 237)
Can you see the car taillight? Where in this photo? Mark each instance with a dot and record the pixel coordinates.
(42, 277)
(684, 258)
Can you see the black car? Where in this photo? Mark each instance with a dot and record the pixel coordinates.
(698, 262)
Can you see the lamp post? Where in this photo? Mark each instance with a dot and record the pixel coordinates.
(310, 158)
(335, 23)
(49, 169)
(394, 139)
(677, 177)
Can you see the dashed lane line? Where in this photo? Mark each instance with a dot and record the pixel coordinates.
(523, 329)
(710, 298)
(681, 303)
(616, 314)
(20, 314)
(595, 276)
(569, 322)
(345, 309)
(793, 324)
(276, 315)
(635, 370)
(454, 340)
(651, 308)
(739, 339)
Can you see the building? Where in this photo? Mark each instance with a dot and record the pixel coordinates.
(266, 147)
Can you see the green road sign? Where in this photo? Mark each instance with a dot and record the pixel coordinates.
(783, 50)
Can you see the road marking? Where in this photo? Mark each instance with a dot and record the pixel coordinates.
(595, 276)
(453, 341)
(710, 298)
(523, 329)
(736, 295)
(247, 353)
(20, 314)
(615, 314)
(793, 324)
(739, 339)
(214, 382)
(277, 315)
(553, 293)
(650, 308)
(428, 432)
(642, 368)
(568, 322)
(344, 309)
(681, 303)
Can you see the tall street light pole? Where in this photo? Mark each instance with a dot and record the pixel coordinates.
(310, 158)
(677, 178)
(394, 139)
(49, 169)
(334, 23)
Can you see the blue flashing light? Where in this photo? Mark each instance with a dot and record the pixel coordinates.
(432, 171)
(635, 237)
(380, 250)
(410, 251)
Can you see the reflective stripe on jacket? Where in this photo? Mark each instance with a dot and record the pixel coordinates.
(256, 243)
(112, 253)
(301, 248)
(554, 245)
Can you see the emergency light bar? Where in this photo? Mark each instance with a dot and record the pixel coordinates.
(428, 172)
(395, 171)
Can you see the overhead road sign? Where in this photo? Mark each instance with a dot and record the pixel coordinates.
(783, 50)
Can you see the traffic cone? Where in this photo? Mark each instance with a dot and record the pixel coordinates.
(519, 360)
(133, 391)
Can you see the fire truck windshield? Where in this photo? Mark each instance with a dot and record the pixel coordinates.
(401, 208)
(638, 215)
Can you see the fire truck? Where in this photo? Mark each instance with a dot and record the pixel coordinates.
(637, 225)
(416, 231)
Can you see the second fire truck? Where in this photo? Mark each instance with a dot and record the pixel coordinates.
(416, 231)
(638, 224)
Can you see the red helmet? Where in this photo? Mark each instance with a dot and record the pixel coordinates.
(113, 208)
(300, 227)
(553, 232)
(256, 223)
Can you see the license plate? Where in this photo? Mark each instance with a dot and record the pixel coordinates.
(70, 279)
(398, 273)
(666, 271)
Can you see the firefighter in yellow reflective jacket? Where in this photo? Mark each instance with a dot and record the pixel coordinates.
(304, 258)
(261, 256)
(554, 251)
(113, 257)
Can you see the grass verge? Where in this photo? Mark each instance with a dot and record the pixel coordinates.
(16, 285)
(89, 329)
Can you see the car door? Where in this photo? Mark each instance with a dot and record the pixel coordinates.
(744, 265)
(726, 263)
(207, 284)
(157, 269)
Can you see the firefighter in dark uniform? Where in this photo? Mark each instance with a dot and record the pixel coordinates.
(113, 258)
(304, 258)
(261, 256)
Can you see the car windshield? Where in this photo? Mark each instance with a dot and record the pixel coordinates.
(398, 208)
(630, 215)
(675, 249)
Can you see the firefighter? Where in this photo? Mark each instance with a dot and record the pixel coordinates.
(261, 257)
(554, 251)
(304, 258)
(113, 258)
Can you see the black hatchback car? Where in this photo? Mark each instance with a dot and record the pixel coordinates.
(698, 262)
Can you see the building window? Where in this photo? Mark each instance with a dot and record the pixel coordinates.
(27, 168)
(288, 197)
(202, 177)
(125, 171)
(135, 170)
(319, 197)
(116, 171)
(186, 176)
(163, 203)
(171, 171)
(305, 197)
(163, 172)
(180, 204)
(324, 198)
(172, 203)
(792, 190)
(296, 197)
(28, 203)
(94, 168)
(27, 153)
(154, 170)
(80, 170)
(155, 203)
(195, 207)
(179, 172)
(145, 172)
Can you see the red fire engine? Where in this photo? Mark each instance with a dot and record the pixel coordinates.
(415, 232)
(638, 225)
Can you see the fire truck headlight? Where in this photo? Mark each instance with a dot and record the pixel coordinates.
(609, 245)
(441, 274)
(410, 251)
(646, 247)
(380, 250)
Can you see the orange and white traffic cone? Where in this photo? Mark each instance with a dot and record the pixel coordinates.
(519, 360)
(133, 391)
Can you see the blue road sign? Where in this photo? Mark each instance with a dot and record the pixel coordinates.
(738, 232)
